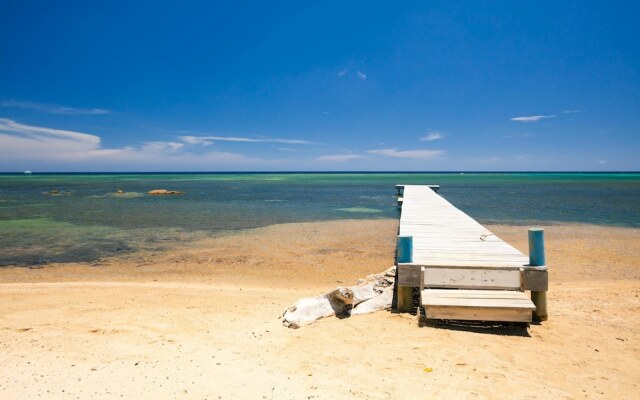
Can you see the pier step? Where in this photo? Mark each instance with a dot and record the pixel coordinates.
(477, 305)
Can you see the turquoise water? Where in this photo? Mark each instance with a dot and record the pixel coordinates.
(86, 220)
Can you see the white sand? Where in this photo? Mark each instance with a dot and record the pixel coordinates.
(202, 322)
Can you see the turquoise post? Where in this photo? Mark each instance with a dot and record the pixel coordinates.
(537, 259)
(536, 247)
(404, 249)
(404, 254)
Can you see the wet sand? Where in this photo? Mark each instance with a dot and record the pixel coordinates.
(202, 321)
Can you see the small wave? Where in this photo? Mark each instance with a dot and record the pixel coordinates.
(126, 195)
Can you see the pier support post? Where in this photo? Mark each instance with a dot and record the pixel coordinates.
(537, 258)
(404, 254)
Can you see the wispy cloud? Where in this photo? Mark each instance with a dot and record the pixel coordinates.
(16, 136)
(53, 108)
(431, 136)
(571, 111)
(343, 72)
(361, 75)
(37, 145)
(418, 154)
(163, 147)
(533, 118)
(602, 162)
(208, 140)
(339, 157)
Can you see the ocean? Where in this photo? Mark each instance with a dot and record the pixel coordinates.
(80, 217)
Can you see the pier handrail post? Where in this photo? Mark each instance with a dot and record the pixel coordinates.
(537, 259)
(404, 249)
(404, 254)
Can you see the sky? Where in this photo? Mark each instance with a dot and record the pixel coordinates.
(319, 86)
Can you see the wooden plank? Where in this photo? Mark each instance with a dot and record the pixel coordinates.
(479, 314)
(480, 276)
(408, 275)
(536, 280)
(460, 263)
(479, 303)
(494, 294)
(472, 278)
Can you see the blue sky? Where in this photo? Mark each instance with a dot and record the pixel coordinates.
(241, 86)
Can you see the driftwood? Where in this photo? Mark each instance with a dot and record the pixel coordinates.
(160, 192)
(371, 294)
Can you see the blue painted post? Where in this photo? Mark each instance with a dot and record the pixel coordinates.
(536, 247)
(404, 254)
(537, 259)
(404, 249)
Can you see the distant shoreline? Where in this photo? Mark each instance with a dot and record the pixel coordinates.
(318, 172)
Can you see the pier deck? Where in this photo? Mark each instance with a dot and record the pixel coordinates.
(470, 267)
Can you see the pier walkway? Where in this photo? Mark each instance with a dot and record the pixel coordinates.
(463, 270)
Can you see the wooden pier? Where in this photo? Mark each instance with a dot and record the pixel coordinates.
(464, 271)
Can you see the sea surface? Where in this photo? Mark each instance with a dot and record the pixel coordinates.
(80, 217)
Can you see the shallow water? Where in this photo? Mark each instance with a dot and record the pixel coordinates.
(86, 220)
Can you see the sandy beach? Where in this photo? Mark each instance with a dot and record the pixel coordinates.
(202, 321)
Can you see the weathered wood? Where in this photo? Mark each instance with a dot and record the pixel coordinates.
(405, 298)
(372, 293)
(536, 280)
(408, 275)
(456, 252)
(400, 188)
(472, 278)
(479, 314)
(540, 301)
(481, 305)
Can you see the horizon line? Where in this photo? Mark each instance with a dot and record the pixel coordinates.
(324, 172)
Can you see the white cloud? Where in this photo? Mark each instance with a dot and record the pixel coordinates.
(420, 154)
(19, 136)
(343, 72)
(338, 157)
(602, 162)
(162, 146)
(34, 145)
(361, 75)
(207, 140)
(54, 109)
(533, 118)
(571, 111)
(430, 137)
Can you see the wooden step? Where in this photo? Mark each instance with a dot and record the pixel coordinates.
(477, 305)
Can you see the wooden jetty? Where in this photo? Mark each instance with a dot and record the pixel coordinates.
(463, 271)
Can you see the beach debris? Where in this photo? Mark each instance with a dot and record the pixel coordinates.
(373, 293)
(57, 192)
(157, 192)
